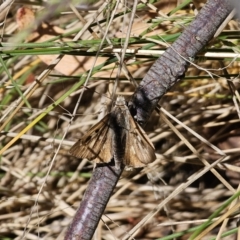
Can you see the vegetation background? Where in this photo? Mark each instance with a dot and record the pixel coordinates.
(54, 52)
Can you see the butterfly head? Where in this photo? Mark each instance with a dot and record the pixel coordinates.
(120, 101)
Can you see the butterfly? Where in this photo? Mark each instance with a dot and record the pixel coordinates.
(117, 136)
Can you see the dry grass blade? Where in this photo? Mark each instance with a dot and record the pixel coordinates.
(178, 190)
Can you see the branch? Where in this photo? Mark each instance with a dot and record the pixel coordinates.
(97, 194)
(172, 65)
(164, 73)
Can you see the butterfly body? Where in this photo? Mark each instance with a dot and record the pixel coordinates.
(119, 125)
(117, 136)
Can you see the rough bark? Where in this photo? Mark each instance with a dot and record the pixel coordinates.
(166, 71)
(172, 65)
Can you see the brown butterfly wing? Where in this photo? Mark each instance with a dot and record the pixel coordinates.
(95, 144)
(139, 149)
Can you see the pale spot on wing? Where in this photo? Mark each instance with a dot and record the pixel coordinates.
(133, 150)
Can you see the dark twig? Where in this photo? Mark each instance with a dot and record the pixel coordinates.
(99, 190)
(165, 72)
(172, 65)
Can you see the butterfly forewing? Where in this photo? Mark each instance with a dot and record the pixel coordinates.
(139, 149)
(96, 144)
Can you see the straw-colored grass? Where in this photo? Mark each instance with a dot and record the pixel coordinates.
(45, 70)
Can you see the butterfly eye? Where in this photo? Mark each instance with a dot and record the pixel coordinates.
(96, 131)
(88, 138)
